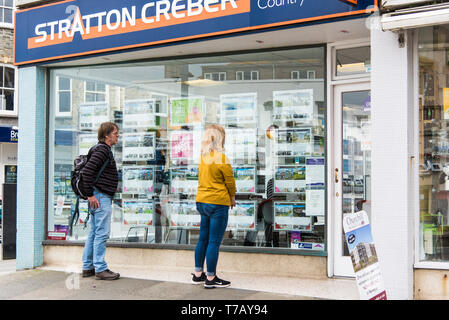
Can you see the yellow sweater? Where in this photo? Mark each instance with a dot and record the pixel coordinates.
(216, 184)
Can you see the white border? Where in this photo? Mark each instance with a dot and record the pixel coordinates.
(15, 112)
(330, 156)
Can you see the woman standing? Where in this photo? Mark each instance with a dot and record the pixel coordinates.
(216, 192)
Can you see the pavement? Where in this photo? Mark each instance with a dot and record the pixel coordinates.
(44, 284)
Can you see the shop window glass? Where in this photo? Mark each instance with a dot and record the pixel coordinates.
(353, 61)
(433, 51)
(275, 140)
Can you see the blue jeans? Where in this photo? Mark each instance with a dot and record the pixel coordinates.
(214, 219)
(100, 227)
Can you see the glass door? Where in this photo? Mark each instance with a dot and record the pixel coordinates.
(352, 163)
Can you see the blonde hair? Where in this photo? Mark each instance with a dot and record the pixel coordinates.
(213, 139)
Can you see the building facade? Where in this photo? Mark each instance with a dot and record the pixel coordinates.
(355, 92)
(8, 98)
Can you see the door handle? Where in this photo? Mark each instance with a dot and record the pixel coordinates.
(336, 175)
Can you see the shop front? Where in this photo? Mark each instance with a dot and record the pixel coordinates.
(290, 81)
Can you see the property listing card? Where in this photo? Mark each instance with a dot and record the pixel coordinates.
(243, 216)
(92, 114)
(238, 109)
(139, 146)
(290, 179)
(138, 179)
(185, 146)
(291, 216)
(139, 113)
(183, 213)
(296, 105)
(245, 179)
(138, 212)
(184, 180)
(186, 111)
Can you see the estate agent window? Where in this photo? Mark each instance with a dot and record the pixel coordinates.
(275, 140)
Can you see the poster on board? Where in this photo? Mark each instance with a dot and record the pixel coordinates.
(138, 212)
(186, 111)
(242, 216)
(86, 141)
(92, 114)
(364, 256)
(238, 109)
(290, 179)
(138, 179)
(293, 105)
(185, 146)
(184, 180)
(245, 179)
(241, 145)
(139, 146)
(294, 142)
(183, 214)
(139, 113)
(291, 216)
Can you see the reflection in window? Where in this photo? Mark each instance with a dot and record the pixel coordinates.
(433, 144)
(7, 80)
(162, 109)
(352, 61)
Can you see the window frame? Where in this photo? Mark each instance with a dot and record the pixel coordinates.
(106, 92)
(415, 180)
(333, 66)
(239, 249)
(12, 113)
(7, 24)
(59, 113)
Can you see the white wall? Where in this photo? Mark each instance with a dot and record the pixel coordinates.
(392, 203)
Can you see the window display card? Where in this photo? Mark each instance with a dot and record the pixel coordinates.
(315, 171)
(183, 213)
(138, 212)
(86, 141)
(245, 179)
(294, 142)
(184, 180)
(291, 216)
(92, 114)
(315, 201)
(238, 109)
(241, 144)
(290, 179)
(186, 111)
(138, 179)
(242, 216)
(138, 146)
(139, 113)
(185, 146)
(294, 105)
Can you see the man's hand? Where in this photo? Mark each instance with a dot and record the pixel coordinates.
(94, 204)
(233, 202)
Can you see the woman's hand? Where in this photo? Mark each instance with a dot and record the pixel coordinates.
(232, 202)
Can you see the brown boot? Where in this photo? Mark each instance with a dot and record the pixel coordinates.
(107, 275)
(88, 273)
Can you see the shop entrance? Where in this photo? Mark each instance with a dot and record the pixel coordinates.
(352, 164)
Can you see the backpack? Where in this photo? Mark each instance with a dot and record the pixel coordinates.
(76, 177)
(76, 181)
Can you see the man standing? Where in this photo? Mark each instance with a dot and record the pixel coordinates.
(100, 196)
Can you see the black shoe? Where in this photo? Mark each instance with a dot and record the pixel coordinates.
(200, 279)
(88, 273)
(216, 283)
